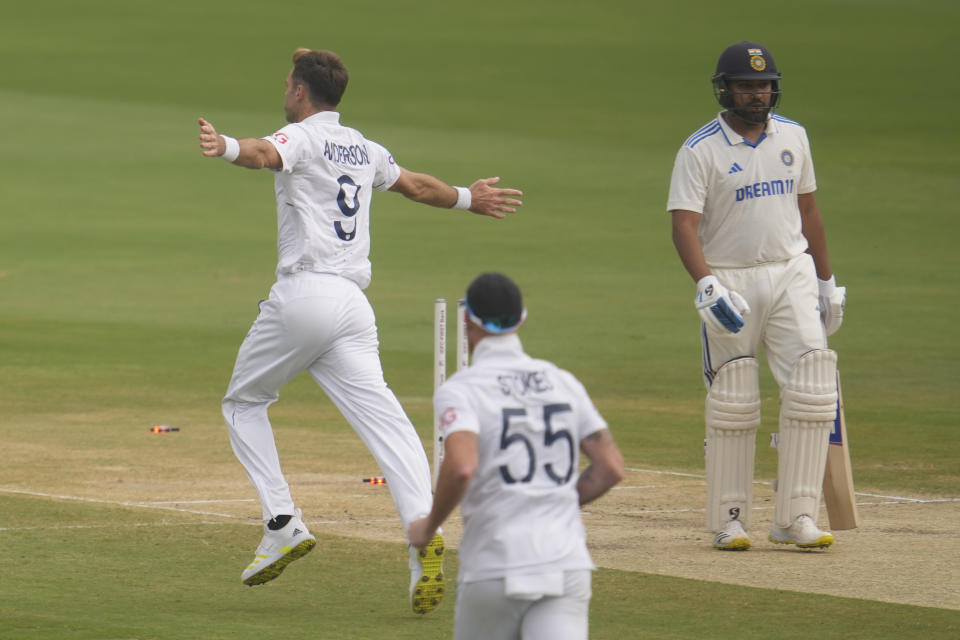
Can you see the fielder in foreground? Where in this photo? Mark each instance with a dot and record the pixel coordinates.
(748, 230)
(514, 427)
(317, 318)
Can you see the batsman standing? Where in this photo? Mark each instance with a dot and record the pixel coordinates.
(513, 430)
(748, 230)
(317, 318)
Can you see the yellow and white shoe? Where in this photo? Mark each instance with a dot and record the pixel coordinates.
(803, 533)
(427, 584)
(278, 549)
(732, 537)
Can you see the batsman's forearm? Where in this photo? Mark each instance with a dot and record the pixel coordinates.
(811, 225)
(687, 244)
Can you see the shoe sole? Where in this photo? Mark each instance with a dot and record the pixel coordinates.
(431, 585)
(738, 544)
(273, 570)
(822, 542)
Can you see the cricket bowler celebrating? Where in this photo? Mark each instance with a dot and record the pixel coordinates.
(317, 318)
(748, 230)
(513, 428)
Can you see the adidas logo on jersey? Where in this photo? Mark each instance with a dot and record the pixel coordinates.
(735, 168)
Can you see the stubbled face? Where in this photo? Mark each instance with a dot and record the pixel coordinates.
(291, 102)
(751, 99)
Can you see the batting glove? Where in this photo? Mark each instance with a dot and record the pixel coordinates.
(833, 300)
(720, 309)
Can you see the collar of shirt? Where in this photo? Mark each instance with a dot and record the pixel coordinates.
(330, 117)
(735, 138)
(498, 346)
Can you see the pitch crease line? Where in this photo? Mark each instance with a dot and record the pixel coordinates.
(906, 499)
(161, 507)
(899, 499)
(159, 502)
(140, 505)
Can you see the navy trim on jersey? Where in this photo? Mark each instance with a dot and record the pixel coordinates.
(757, 143)
(780, 118)
(704, 132)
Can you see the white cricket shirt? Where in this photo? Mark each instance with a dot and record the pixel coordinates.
(323, 196)
(521, 511)
(746, 193)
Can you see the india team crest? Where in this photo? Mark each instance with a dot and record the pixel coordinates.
(786, 156)
(757, 62)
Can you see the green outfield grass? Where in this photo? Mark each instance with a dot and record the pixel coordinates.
(130, 268)
(109, 584)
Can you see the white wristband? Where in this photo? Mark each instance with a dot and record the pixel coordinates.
(707, 280)
(827, 287)
(464, 198)
(232, 151)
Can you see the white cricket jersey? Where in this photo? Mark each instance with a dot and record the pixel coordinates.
(323, 196)
(746, 193)
(521, 511)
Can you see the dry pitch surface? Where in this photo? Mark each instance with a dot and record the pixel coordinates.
(906, 551)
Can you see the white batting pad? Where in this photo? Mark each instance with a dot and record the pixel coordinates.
(732, 416)
(808, 406)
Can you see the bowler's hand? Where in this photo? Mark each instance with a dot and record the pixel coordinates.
(419, 533)
(487, 200)
(211, 142)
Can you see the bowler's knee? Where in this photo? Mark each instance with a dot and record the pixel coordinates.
(229, 408)
(236, 411)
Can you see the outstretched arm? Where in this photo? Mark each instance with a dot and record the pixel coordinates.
(606, 466)
(253, 153)
(485, 199)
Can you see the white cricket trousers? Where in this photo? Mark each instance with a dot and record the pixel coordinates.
(325, 325)
(784, 317)
(484, 612)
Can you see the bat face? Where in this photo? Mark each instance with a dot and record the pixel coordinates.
(838, 493)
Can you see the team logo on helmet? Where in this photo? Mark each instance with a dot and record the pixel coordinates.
(757, 63)
(786, 157)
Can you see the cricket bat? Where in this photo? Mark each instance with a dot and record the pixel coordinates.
(838, 478)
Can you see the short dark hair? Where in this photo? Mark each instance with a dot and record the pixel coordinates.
(495, 303)
(322, 73)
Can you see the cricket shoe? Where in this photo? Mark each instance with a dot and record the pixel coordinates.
(427, 584)
(803, 533)
(732, 537)
(278, 549)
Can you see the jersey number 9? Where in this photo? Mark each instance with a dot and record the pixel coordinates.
(348, 200)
